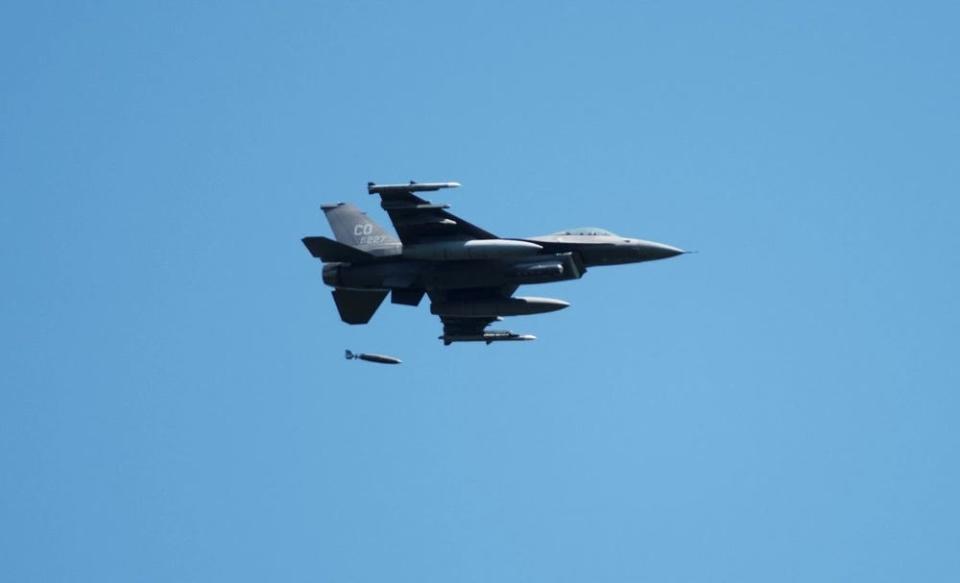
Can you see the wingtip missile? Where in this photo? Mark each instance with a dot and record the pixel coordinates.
(374, 188)
(488, 336)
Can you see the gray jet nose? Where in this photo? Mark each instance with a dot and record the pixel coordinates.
(651, 250)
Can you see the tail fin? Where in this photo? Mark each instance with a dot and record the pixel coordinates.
(353, 227)
(328, 251)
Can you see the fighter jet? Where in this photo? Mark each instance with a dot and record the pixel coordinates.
(469, 274)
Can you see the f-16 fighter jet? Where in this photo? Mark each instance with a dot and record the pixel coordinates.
(469, 273)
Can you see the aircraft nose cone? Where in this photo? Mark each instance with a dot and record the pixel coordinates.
(651, 250)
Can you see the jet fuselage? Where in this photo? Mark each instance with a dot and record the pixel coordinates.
(469, 273)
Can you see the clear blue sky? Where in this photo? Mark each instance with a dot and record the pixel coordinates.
(783, 406)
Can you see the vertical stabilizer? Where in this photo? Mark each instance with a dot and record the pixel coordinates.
(353, 227)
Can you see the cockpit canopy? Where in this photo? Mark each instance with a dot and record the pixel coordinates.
(587, 232)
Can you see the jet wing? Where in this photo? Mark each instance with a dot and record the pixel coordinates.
(461, 326)
(420, 221)
(461, 329)
(464, 328)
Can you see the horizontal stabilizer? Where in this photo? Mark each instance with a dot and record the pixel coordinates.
(329, 250)
(357, 306)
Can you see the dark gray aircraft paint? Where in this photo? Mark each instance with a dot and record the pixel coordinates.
(468, 273)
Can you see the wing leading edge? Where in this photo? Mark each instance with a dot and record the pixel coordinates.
(418, 220)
